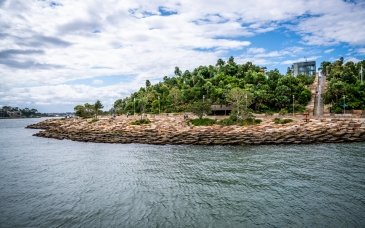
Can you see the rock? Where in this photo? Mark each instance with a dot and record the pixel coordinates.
(167, 130)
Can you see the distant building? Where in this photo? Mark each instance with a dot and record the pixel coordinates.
(306, 68)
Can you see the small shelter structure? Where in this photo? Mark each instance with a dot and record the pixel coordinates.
(220, 110)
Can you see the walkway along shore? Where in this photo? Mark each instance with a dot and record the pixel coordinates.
(174, 130)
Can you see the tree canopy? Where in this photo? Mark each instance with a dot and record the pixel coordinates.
(12, 112)
(344, 85)
(266, 91)
(88, 110)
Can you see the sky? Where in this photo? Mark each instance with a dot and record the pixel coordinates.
(55, 54)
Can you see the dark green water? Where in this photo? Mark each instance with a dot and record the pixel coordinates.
(51, 183)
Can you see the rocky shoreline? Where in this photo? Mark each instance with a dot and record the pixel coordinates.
(175, 130)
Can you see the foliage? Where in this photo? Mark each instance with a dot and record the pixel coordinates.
(227, 82)
(202, 122)
(93, 120)
(88, 110)
(97, 108)
(344, 86)
(200, 108)
(250, 121)
(15, 112)
(305, 79)
(241, 100)
(227, 122)
(233, 120)
(282, 121)
(141, 121)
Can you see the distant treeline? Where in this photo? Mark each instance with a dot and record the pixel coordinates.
(15, 112)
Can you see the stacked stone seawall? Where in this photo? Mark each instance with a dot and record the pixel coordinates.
(168, 131)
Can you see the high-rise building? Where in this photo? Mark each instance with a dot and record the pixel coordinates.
(306, 68)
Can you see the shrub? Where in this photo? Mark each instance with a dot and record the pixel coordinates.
(282, 121)
(202, 122)
(250, 121)
(141, 121)
(93, 120)
(227, 122)
(283, 111)
(243, 122)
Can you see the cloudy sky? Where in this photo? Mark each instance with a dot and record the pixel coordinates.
(55, 54)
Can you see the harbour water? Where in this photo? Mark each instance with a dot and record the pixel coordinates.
(53, 183)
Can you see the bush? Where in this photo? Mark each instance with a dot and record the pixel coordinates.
(140, 122)
(283, 111)
(93, 120)
(242, 122)
(250, 121)
(282, 121)
(227, 122)
(202, 122)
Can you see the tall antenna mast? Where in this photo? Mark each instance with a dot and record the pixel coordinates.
(361, 73)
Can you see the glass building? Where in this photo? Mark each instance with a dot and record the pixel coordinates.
(306, 68)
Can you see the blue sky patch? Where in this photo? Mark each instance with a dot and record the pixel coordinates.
(101, 81)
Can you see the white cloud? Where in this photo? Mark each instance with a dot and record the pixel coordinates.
(256, 50)
(352, 59)
(335, 22)
(263, 57)
(361, 51)
(291, 61)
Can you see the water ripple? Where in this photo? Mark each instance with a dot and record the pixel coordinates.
(52, 183)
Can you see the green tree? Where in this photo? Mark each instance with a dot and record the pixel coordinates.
(177, 71)
(80, 110)
(89, 110)
(148, 83)
(265, 91)
(200, 108)
(241, 101)
(97, 108)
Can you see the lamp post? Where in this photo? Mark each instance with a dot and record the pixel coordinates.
(293, 104)
(203, 105)
(159, 105)
(134, 106)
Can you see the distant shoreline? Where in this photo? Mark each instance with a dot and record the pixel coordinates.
(2, 118)
(175, 130)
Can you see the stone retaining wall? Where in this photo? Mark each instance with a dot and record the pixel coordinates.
(177, 132)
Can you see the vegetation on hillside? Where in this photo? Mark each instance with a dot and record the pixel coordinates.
(344, 85)
(247, 87)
